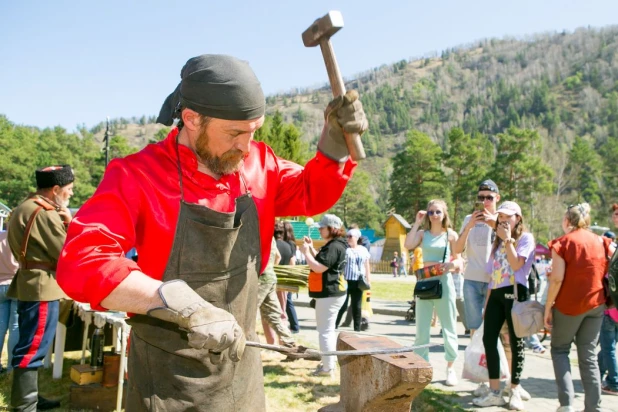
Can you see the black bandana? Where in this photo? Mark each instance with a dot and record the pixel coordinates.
(58, 175)
(217, 86)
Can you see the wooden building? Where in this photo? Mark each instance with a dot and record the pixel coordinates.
(395, 228)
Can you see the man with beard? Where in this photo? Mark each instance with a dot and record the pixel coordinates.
(36, 234)
(199, 207)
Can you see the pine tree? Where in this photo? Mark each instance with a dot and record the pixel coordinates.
(356, 204)
(417, 175)
(469, 159)
(521, 174)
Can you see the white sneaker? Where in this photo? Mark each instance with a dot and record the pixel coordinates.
(491, 399)
(481, 391)
(451, 377)
(516, 403)
(320, 371)
(565, 409)
(525, 396)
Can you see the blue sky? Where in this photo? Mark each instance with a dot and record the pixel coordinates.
(69, 63)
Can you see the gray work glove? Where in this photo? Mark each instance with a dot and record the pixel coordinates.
(209, 327)
(343, 113)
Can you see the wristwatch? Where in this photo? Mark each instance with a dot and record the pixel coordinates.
(509, 240)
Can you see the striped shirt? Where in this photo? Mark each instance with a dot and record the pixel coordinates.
(355, 262)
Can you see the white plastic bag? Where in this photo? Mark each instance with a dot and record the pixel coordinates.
(475, 361)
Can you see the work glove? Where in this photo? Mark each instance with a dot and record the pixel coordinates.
(208, 327)
(343, 114)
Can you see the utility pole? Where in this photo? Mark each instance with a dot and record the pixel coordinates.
(106, 139)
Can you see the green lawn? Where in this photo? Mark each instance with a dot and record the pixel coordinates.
(392, 290)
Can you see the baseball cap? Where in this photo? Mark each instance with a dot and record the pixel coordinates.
(354, 233)
(330, 221)
(509, 208)
(489, 185)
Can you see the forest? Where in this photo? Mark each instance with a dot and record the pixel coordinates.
(538, 115)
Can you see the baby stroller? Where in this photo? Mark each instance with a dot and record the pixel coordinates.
(411, 313)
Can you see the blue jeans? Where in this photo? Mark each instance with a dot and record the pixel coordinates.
(290, 310)
(8, 322)
(474, 293)
(532, 341)
(607, 356)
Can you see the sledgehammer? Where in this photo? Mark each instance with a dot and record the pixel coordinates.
(320, 33)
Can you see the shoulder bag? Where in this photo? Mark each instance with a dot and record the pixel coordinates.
(527, 316)
(430, 287)
(362, 283)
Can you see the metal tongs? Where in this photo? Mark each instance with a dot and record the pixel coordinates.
(302, 352)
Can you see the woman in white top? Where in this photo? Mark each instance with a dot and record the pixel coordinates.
(357, 264)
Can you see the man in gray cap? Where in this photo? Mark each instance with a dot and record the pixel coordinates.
(199, 207)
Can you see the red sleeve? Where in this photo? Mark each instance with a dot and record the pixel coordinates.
(313, 189)
(557, 245)
(92, 262)
(607, 243)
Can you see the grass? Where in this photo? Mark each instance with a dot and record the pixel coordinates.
(435, 400)
(57, 389)
(393, 291)
(290, 388)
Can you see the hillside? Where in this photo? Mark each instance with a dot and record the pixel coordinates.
(559, 84)
(562, 85)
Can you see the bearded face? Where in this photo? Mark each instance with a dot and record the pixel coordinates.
(62, 195)
(228, 163)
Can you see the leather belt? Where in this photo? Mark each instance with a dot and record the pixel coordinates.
(38, 265)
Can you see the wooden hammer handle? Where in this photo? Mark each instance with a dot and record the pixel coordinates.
(352, 140)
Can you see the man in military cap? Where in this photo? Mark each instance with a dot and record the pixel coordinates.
(36, 234)
(199, 207)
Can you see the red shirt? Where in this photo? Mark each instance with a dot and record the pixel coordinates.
(138, 201)
(585, 255)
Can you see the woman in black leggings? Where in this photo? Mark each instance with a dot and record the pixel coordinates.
(509, 265)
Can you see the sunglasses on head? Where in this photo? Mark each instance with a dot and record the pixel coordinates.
(434, 212)
(488, 197)
(579, 206)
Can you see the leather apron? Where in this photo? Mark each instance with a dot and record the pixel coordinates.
(218, 255)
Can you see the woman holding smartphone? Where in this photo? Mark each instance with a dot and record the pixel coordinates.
(509, 264)
(436, 240)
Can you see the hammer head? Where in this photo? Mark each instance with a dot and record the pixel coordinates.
(323, 28)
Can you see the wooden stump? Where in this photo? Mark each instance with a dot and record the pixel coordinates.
(378, 383)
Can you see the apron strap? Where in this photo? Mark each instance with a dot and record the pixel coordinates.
(182, 195)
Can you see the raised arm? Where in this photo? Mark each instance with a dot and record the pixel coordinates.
(469, 222)
(415, 236)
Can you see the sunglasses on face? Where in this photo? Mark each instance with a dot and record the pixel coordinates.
(488, 197)
(434, 212)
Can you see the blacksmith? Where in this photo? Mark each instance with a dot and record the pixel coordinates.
(199, 207)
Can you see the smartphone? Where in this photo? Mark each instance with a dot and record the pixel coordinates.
(479, 206)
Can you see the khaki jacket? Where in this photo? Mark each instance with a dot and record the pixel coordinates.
(47, 236)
